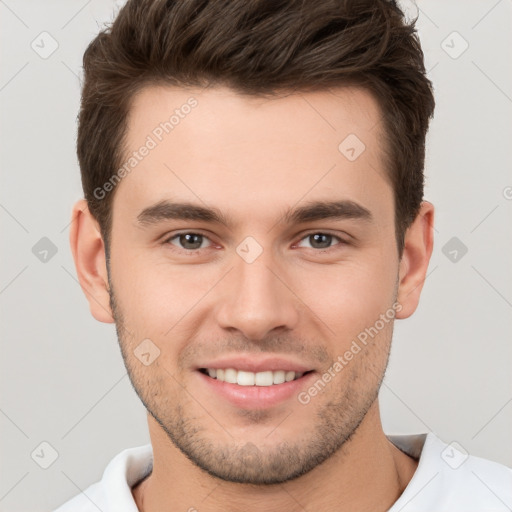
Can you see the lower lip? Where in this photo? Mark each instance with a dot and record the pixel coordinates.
(256, 397)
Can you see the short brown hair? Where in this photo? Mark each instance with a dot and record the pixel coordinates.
(257, 47)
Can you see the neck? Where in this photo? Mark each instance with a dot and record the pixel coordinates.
(367, 474)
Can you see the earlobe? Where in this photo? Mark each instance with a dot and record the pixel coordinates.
(419, 241)
(88, 251)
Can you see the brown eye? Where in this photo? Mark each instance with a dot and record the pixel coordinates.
(321, 240)
(188, 241)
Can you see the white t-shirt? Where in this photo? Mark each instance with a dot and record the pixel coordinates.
(446, 480)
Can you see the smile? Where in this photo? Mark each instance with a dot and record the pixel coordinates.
(245, 378)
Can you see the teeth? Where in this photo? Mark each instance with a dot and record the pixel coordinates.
(279, 377)
(230, 376)
(264, 379)
(243, 378)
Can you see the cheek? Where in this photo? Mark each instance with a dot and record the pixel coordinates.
(158, 298)
(351, 296)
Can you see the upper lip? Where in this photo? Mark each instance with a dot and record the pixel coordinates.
(256, 364)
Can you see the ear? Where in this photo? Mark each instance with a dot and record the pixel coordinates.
(419, 241)
(89, 254)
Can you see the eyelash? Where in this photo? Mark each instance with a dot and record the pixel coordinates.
(341, 241)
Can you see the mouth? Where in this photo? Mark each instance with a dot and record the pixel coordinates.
(253, 381)
(246, 378)
(244, 389)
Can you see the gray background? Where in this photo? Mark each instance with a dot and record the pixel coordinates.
(62, 379)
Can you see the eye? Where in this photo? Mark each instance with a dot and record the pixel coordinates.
(321, 240)
(191, 242)
(188, 241)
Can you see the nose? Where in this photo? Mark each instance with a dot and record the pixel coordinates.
(257, 299)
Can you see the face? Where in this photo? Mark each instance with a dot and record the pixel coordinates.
(253, 244)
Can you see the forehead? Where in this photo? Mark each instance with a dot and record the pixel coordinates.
(237, 151)
(308, 118)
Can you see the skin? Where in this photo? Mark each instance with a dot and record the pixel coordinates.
(254, 158)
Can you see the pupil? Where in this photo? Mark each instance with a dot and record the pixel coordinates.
(318, 239)
(188, 239)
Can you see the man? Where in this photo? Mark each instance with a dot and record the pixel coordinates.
(253, 223)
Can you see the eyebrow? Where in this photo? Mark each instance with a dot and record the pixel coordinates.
(313, 211)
